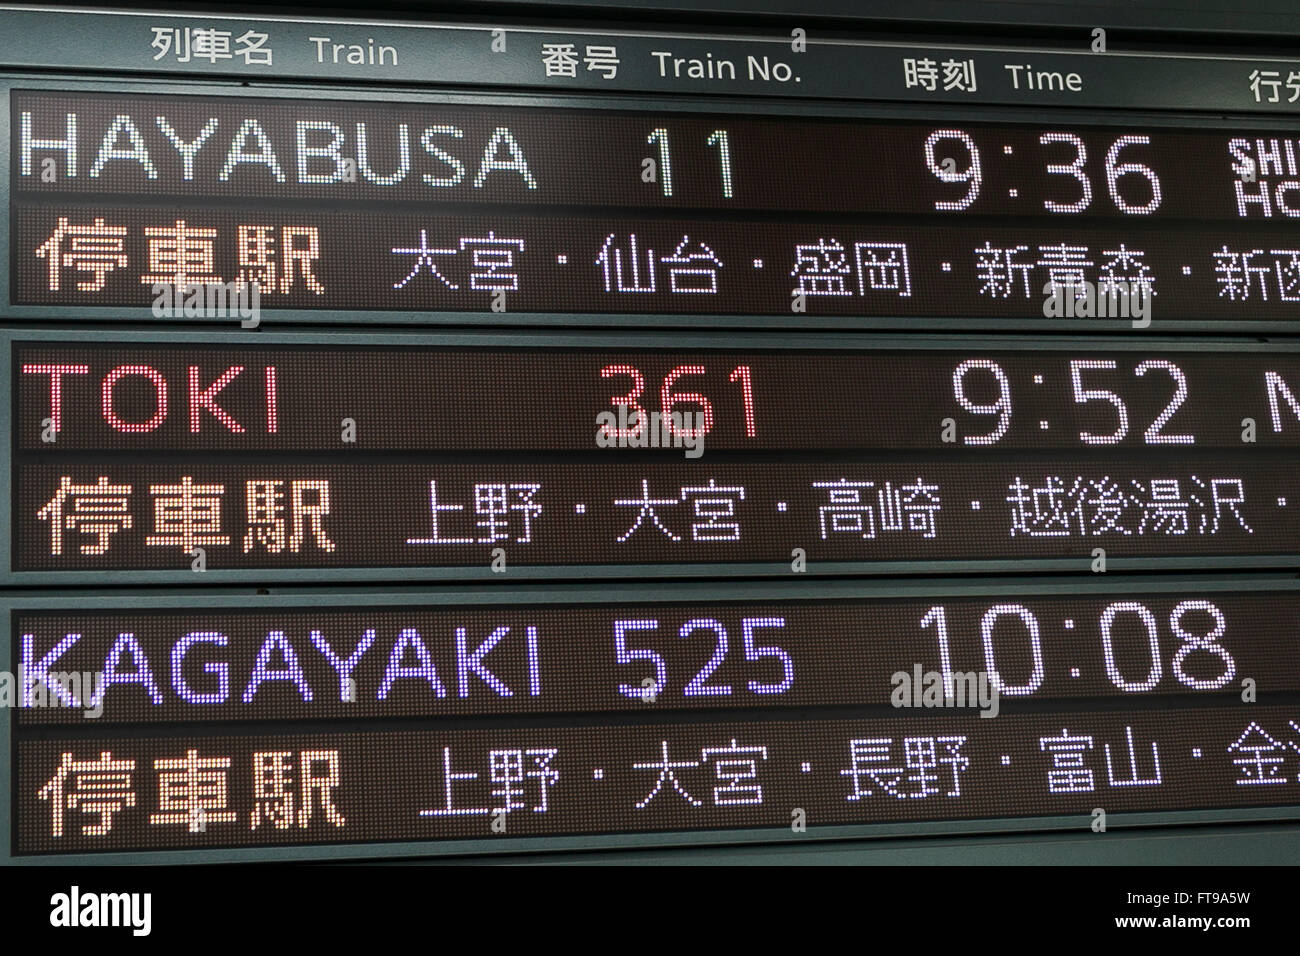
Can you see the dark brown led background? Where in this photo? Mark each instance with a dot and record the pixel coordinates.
(571, 263)
(580, 157)
(382, 514)
(206, 665)
(444, 399)
(591, 779)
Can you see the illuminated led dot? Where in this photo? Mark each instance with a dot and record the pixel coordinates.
(1006, 761)
(598, 774)
(1281, 502)
(1038, 380)
(780, 506)
(1187, 270)
(562, 259)
(1013, 193)
(1196, 752)
(1069, 623)
(974, 506)
(946, 266)
(806, 767)
(1043, 424)
(1074, 672)
(758, 263)
(579, 509)
(1006, 150)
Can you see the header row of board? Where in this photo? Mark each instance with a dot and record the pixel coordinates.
(791, 62)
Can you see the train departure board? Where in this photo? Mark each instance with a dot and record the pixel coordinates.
(441, 439)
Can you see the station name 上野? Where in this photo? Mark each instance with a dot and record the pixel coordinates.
(307, 152)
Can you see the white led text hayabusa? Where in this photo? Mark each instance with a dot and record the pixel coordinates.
(203, 396)
(321, 152)
(224, 145)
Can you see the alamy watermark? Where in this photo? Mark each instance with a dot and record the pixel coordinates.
(78, 690)
(78, 909)
(634, 428)
(954, 689)
(1113, 299)
(209, 300)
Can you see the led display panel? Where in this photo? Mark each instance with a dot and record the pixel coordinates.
(399, 206)
(441, 717)
(168, 667)
(239, 791)
(420, 456)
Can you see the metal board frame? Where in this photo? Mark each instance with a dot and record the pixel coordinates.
(1198, 836)
(1260, 845)
(1265, 17)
